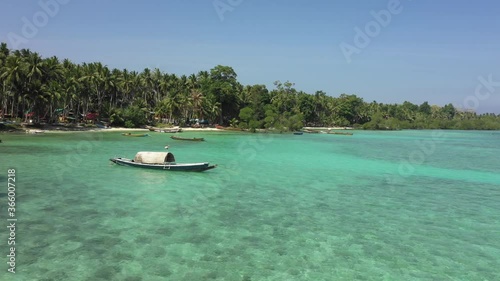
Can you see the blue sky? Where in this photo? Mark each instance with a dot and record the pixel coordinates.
(429, 50)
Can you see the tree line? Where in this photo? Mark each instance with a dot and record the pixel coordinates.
(50, 90)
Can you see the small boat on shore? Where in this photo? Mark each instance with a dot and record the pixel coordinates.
(219, 127)
(34, 132)
(340, 133)
(310, 131)
(233, 129)
(187, 139)
(166, 130)
(298, 133)
(102, 125)
(134, 135)
(172, 130)
(161, 161)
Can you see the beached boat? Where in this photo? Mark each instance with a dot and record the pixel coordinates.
(187, 139)
(134, 135)
(34, 132)
(161, 161)
(298, 133)
(228, 128)
(310, 131)
(340, 133)
(172, 130)
(102, 125)
(233, 129)
(167, 130)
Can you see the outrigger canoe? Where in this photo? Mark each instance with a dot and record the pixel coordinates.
(134, 135)
(161, 161)
(227, 128)
(340, 133)
(172, 130)
(186, 139)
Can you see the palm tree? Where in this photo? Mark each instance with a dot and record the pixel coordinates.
(113, 87)
(35, 66)
(13, 76)
(197, 103)
(192, 82)
(125, 84)
(213, 109)
(156, 78)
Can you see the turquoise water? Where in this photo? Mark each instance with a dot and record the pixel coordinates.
(408, 205)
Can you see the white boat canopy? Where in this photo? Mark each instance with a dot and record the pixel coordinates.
(150, 157)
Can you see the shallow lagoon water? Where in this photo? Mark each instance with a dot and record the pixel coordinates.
(372, 206)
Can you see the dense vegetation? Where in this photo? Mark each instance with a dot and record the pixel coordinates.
(47, 89)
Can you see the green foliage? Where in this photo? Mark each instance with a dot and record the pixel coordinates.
(131, 117)
(129, 124)
(234, 122)
(253, 125)
(116, 118)
(134, 116)
(425, 108)
(10, 127)
(271, 119)
(295, 122)
(246, 114)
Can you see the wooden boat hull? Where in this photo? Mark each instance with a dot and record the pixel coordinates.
(232, 129)
(101, 126)
(227, 128)
(187, 139)
(172, 130)
(135, 135)
(186, 167)
(340, 133)
(34, 132)
(310, 131)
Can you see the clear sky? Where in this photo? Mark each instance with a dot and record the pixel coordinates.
(427, 51)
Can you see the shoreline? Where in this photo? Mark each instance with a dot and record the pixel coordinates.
(54, 129)
(60, 130)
